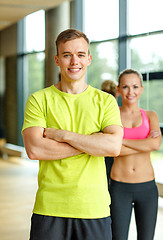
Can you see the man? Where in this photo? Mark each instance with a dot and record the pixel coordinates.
(69, 127)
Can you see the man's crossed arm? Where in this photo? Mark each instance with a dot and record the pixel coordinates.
(54, 144)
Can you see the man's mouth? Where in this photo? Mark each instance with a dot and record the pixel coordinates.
(74, 70)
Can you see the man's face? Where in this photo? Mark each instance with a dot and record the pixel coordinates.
(73, 59)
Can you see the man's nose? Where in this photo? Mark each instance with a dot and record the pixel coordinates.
(74, 60)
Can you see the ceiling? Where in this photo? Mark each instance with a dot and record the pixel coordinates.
(12, 11)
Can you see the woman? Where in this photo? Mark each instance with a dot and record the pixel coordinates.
(132, 177)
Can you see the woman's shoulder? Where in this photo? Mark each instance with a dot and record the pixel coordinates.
(151, 114)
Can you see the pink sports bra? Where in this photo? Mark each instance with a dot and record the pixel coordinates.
(139, 132)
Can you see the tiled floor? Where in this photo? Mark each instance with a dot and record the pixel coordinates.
(18, 184)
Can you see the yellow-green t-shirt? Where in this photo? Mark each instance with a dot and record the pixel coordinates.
(74, 187)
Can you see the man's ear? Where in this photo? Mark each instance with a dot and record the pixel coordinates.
(56, 60)
(89, 59)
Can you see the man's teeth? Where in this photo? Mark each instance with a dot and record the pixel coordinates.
(74, 70)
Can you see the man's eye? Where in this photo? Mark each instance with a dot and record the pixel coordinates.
(67, 55)
(81, 55)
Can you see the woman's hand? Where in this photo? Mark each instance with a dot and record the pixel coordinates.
(154, 133)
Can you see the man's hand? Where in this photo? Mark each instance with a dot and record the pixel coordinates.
(55, 134)
(40, 145)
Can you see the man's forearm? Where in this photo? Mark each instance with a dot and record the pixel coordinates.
(53, 150)
(83, 143)
(98, 144)
(95, 144)
(41, 148)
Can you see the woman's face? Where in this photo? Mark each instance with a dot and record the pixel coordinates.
(130, 88)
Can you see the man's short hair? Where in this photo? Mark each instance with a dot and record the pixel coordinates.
(70, 34)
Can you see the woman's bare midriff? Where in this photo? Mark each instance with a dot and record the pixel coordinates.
(134, 168)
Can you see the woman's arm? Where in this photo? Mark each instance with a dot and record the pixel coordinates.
(125, 151)
(41, 148)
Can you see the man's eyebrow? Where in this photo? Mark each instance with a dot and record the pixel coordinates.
(82, 52)
(66, 52)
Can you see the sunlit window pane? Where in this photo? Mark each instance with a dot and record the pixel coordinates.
(35, 32)
(104, 64)
(34, 68)
(149, 99)
(145, 16)
(147, 53)
(101, 19)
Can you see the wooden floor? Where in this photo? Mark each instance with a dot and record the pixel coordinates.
(18, 184)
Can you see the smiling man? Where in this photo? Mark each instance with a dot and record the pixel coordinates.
(69, 127)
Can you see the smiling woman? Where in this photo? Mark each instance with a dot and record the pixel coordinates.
(130, 86)
(132, 175)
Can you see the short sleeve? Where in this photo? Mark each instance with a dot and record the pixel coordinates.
(34, 113)
(111, 113)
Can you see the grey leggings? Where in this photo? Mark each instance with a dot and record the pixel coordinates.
(143, 198)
